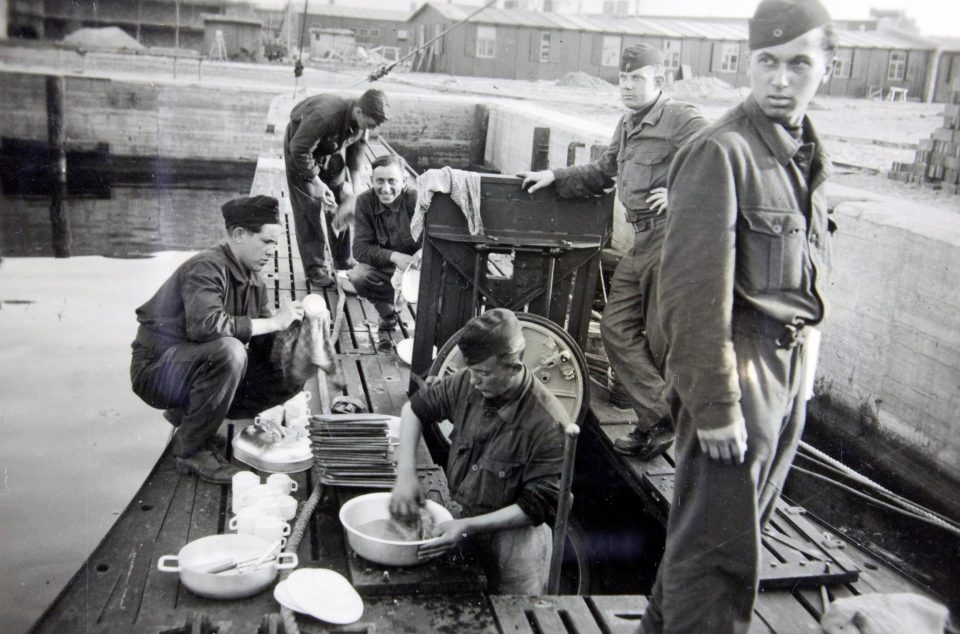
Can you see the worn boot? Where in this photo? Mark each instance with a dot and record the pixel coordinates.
(320, 277)
(204, 465)
(647, 444)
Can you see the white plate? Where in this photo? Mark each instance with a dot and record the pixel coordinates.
(405, 350)
(282, 594)
(325, 595)
(410, 284)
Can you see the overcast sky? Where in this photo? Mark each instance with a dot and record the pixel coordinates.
(935, 17)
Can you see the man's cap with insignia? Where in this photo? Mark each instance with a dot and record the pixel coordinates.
(777, 22)
(251, 210)
(495, 332)
(638, 56)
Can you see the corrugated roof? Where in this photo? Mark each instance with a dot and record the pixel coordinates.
(360, 13)
(672, 27)
(883, 39)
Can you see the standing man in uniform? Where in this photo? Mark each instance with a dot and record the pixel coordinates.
(745, 264)
(506, 454)
(382, 242)
(323, 129)
(638, 157)
(203, 347)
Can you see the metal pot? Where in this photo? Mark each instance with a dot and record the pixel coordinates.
(218, 551)
(375, 506)
(268, 446)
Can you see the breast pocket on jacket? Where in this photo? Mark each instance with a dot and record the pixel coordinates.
(499, 483)
(640, 166)
(770, 248)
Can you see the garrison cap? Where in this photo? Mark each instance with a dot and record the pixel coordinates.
(496, 331)
(638, 56)
(779, 21)
(251, 210)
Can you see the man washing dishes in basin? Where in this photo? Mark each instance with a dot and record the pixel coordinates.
(506, 452)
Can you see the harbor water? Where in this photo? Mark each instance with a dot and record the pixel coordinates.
(77, 443)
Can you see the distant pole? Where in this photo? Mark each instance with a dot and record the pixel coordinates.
(176, 32)
(59, 219)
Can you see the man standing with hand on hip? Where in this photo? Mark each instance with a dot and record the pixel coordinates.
(638, 157)
(745, 264)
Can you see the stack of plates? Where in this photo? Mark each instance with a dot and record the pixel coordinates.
(321, 593)
(353, 450)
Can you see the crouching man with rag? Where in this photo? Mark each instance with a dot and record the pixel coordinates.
(506, 453)
(205, 348)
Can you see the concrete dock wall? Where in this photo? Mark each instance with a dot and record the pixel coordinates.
(140, 118)
(187, 121)
(889, 374)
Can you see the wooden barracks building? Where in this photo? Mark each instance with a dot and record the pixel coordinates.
(873, 60)
(531, 45)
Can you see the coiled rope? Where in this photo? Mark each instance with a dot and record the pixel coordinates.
(896, 503)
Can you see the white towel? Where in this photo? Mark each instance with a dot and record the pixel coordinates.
(464, 189)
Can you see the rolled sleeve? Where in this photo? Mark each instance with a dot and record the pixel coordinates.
(203, 289)
(540, 488)
(433, 403)
(696, 292)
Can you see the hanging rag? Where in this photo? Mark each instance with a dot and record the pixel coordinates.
(305, 345)
(464, 189)
(885, 614)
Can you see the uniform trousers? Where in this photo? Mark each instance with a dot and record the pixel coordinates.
(208, 382)
(625, 324)
(375, 284)
(305, 201)
(709, 574)
(515, 560)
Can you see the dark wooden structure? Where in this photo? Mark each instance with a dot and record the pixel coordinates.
(552, 248)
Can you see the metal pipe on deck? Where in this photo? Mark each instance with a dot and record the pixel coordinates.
(57, 164)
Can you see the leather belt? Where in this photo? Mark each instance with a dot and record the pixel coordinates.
(786, 336)
(646, 224)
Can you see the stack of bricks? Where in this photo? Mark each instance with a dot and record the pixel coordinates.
(937, 164)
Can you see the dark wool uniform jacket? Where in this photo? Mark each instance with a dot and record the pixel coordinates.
(320, 126)
(378, 230)
(638, 156)
(511, 454)
(211, 295)
(747, 232)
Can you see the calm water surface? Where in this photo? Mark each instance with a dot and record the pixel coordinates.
(77, 442)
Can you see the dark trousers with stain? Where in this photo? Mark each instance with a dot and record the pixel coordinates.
(307, 216)
(374, 284)
(207, 382)
(625, 323)
(709, 574)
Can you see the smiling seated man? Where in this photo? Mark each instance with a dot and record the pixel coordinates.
(506, 451)
(382, 242)
(203, 347)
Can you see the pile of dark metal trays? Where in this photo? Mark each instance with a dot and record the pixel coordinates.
(353, 450)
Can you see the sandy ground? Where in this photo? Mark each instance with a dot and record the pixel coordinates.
(64, 369)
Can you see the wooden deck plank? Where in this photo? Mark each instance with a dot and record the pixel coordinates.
(380, 399)
(83, 601)
(783, 613)
(618, 614)
(161, 588)
(544, 614)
